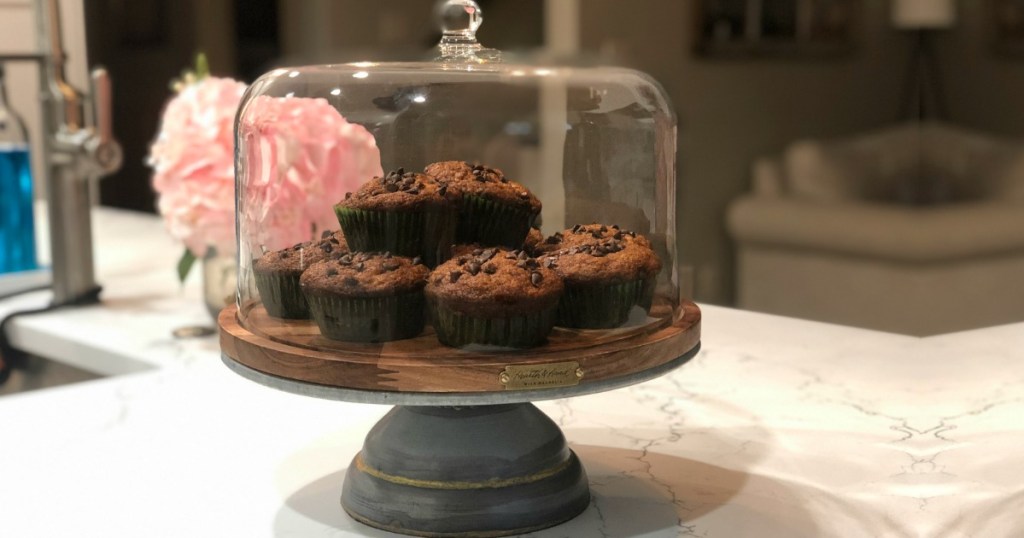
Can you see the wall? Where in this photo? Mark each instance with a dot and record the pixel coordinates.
(732, 111)
(983, 90)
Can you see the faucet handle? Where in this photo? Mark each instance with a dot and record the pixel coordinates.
(103, 147)
(102, 104)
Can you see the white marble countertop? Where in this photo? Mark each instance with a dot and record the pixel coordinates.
(779, 428)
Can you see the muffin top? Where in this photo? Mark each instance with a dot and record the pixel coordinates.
(365, 274)
(494, 283)
(596, 254)
(401, 190)
(533, 240)
(296, 258)
(485, 182)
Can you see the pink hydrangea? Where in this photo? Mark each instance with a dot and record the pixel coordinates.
(193, 162)
(300, 157)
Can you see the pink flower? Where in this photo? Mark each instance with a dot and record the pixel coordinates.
(300, 157)
(193, 163)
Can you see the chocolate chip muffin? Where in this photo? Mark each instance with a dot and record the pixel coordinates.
(607, 271)
(533, 240)
(277, 273)
(494, 210)
(366, 297)
(405, 213)
(493, 296)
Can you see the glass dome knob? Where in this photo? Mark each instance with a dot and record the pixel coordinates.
(459, 21)
(459, 18)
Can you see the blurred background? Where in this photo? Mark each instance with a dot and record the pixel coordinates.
(853, 161)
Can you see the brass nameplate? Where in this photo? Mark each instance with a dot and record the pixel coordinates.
(541, 376)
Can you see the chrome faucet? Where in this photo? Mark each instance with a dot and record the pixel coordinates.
(78, 148)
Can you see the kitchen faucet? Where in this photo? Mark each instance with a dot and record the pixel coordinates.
(78, 147)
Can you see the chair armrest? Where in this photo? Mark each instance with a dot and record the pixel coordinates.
(881, 231)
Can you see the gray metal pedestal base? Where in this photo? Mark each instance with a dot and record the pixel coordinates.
(465, 471)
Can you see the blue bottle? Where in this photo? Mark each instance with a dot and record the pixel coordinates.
(17, 226)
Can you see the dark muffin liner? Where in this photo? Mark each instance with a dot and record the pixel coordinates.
(281, 295)
(456, 329)
(602, 307)
(491, 223)
(368, 319)
(425, 233)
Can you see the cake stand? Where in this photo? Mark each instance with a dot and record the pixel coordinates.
(463, 452)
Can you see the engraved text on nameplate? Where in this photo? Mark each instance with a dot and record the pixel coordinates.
(555, 374)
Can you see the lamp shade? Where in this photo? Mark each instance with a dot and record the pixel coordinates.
(923, 14)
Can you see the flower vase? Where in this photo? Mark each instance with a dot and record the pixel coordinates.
(220, 279)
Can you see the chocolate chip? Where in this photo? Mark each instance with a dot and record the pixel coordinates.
(350, 281)
(400, 171)
(413, 191)
(487, 255)
(283, 254)
(334, 240)
(504, 179)
(596, 234)
(522, 255)
(536, 278)
(577, 228)
(618, 235)
(387, 255)
(478, 167)
(390, 266)
(603, 228)
(332, 271)
(461, 260)
(550, 263)
(345, 260)
(454, 276)
(326, 234)
(348, 195)
(442, 190)
(532, 263)
(524, 195)
(521, 264)
(417, 261)
(360, 266)
(510, 256)
(478, 251)
(615, 226)
(597, 254)
(473, 268)
(391, 187)
(326, 247)
(490, 268)
(552, 240)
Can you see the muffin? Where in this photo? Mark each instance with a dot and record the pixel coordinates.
(533, 240)
(277, 273)
(494, 297)
(366, 297)
(607, 272)
(405, 213)
(494, 210)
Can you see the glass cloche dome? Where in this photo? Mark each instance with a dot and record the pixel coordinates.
(465, 204)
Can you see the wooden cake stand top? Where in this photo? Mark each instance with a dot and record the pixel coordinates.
(292, 356)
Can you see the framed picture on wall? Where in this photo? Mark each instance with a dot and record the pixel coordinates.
(775, 28)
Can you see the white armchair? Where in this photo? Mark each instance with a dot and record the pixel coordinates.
(918, 229)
